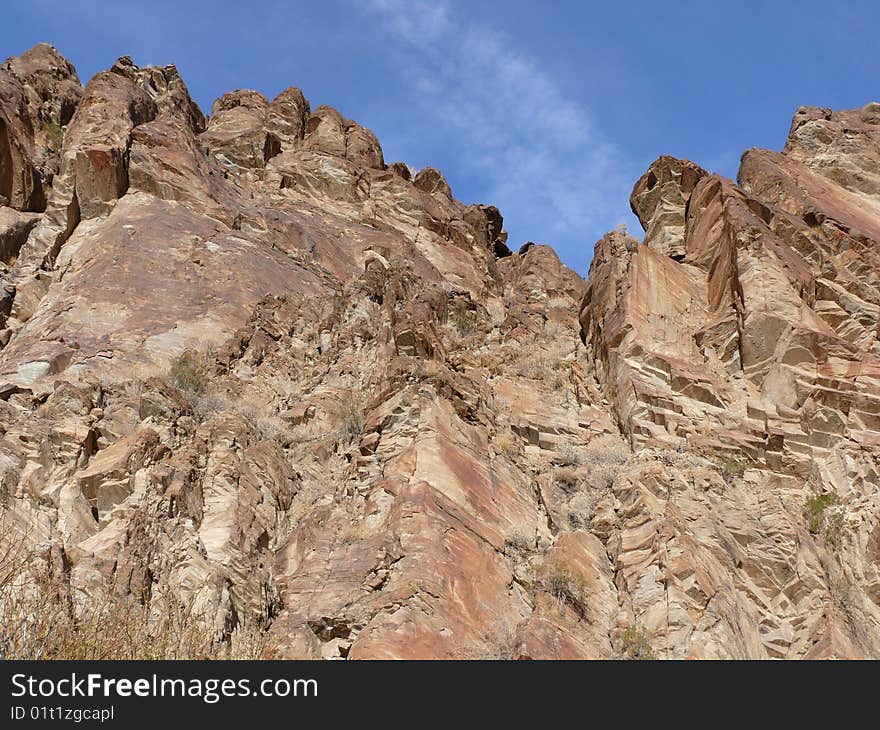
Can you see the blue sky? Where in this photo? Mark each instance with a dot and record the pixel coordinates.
(550, 111)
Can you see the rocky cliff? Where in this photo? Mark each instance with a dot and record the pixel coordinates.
(266, 394)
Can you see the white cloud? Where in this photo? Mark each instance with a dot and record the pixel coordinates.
(416, 21)
(549, 169)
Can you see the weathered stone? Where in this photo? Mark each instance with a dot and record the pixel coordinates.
(14, 230)
(321, 403)
(431, 180)
(235, 133)
(325, 132)
(660, 198)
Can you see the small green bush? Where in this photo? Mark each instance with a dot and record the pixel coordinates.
(55, 135)
(634, 644)
(567, 589)
(814, 510)
(463, 319)
(731, 467)
(835, 528)
(189, 373)
(831, 524)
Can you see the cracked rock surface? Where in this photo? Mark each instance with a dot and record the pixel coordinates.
(248, 364)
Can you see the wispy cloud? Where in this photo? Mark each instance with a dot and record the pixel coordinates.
(417, 22)
(552, 172)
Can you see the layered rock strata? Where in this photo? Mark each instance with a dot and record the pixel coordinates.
(250, 368)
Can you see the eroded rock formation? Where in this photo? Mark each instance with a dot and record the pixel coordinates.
(250, 368)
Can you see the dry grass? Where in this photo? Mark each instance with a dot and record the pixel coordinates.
(508, 443)
(568, 455)
(580, 510)
(635, 644)
(189, 373)
(43, 617)
(267, 423)
(605, 460)
(567, 588)
(306, 433)
(519, 543)
(547, 368)
(499, 644)
(351, 413)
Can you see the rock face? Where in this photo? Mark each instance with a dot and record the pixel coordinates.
(750, 335)
(39, 92)
(659, 200)
(250, 369)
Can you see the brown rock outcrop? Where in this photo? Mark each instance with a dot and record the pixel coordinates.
(659, 200)
(246, 130)
(40, 93)
(249, 371)
(19, 183)
(751, 337)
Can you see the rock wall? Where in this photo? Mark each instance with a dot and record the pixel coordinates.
(249, 366)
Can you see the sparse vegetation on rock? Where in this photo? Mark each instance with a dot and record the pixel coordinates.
(54, 133)
(463, 318)
(189, 373)
(825, 517)
(396, 433)
(567, 588)
(634, 644)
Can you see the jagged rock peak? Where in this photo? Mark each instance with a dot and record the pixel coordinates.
(659, 200)
(254, 376)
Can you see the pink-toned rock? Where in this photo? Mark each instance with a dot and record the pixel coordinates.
(287, 118)
(363, 148)
(325, 132)
(167, 89)
(52, 92)
(250, 372)
(431, 180)
(14, 230)
(19, 182)
(109, 477)
(165, 161)
(51, 83)
(660, 198)
(235, 134)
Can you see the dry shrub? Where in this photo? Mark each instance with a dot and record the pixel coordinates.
(567, 588)
(43, 617)
(546, 367)
(508, 443)
(269, 425)
(581, 508)
(568, 455)
(189, 373)
(499, 644)
(605, 459)
(566, 478)
(308, 432)
(635, 644)
(351, 414)
(518, 542)
(466, 321)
